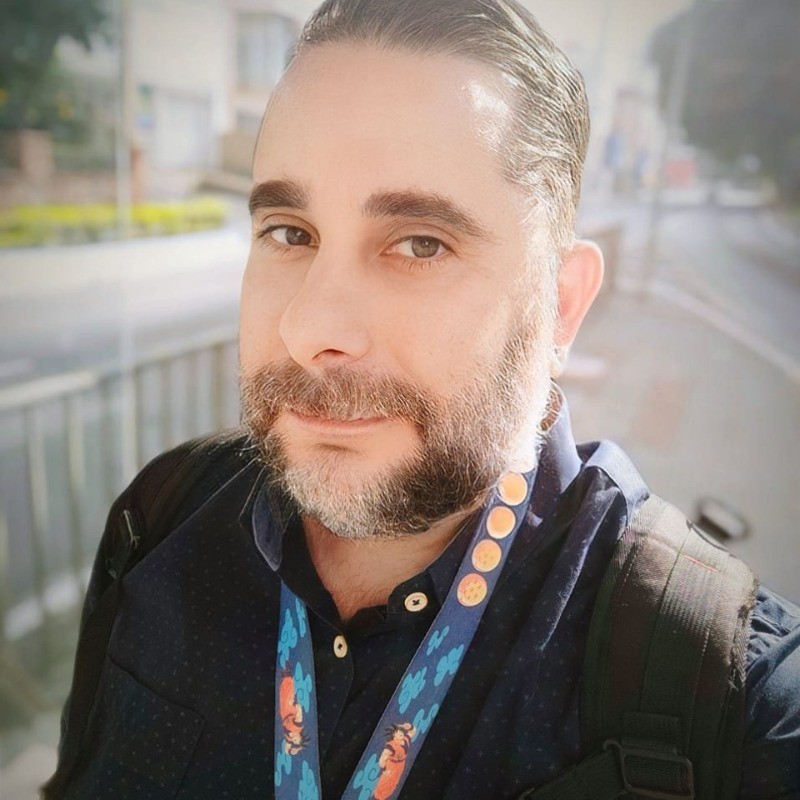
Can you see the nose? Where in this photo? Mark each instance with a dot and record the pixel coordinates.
(325, 324)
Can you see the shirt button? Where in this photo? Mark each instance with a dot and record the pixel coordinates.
(340, 646)
(416, 601)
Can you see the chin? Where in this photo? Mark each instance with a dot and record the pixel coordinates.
(337, 497)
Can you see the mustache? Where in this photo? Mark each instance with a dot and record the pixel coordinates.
(337, 394)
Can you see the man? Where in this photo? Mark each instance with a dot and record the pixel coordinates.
(397, 603)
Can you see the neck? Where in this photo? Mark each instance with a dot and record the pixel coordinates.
(363, 573)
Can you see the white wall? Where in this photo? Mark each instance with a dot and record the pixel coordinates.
(178, 47)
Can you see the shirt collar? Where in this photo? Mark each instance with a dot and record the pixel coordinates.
(263, 517)
(559, 462)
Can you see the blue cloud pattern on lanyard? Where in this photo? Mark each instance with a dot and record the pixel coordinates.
(412, 686)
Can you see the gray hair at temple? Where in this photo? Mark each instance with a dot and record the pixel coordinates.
(546, 145)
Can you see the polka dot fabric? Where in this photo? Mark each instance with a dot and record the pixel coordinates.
(186, 704)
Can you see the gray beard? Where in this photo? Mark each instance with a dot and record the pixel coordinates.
(467, 442)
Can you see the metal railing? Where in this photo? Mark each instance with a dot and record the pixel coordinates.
(117, 418)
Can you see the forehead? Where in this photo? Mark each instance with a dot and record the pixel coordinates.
(358, 116)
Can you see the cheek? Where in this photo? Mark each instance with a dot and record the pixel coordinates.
(428, 342)
(450, 344)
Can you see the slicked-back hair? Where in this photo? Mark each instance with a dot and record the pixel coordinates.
(544, 149)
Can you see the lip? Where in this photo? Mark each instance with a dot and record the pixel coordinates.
(336, 426)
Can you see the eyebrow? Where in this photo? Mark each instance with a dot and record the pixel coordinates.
(424, 205)
(391, 204)
(278, 194)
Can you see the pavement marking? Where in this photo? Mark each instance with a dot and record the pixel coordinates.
(752, 341)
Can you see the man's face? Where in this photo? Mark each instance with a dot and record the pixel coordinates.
(398, 306)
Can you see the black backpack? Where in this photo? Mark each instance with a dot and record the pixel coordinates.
(662, 697)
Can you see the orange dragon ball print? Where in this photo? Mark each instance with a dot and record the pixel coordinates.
(392, 762)
(500, 522)
(486, 555)
(472, 590)
(294, 738)
(513, 488)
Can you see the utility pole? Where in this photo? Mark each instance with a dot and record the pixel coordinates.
(676, 100)
(124, 152)
(124, 127)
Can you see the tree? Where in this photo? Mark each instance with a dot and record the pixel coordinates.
(29, 33)
(743, 96)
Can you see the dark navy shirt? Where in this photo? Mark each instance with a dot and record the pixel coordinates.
(186, 703)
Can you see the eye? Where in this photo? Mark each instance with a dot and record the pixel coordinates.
(425, 247)
(287, 235)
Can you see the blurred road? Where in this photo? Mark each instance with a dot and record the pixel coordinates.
(86, 305)
(745, 264)
(742, 264)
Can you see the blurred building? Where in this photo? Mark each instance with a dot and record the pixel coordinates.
(184, 89)
(201, 74)
(609, 40)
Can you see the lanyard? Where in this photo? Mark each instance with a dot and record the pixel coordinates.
(401, 731)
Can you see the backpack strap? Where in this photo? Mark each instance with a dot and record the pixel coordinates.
(662, 699)
(155, 503)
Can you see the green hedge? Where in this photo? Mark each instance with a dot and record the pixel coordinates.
(26, 226)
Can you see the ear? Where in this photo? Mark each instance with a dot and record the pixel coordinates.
(578, 284)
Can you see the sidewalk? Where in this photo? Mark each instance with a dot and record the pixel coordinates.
(701, 416)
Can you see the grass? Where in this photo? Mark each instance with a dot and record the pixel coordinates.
(32, 226)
